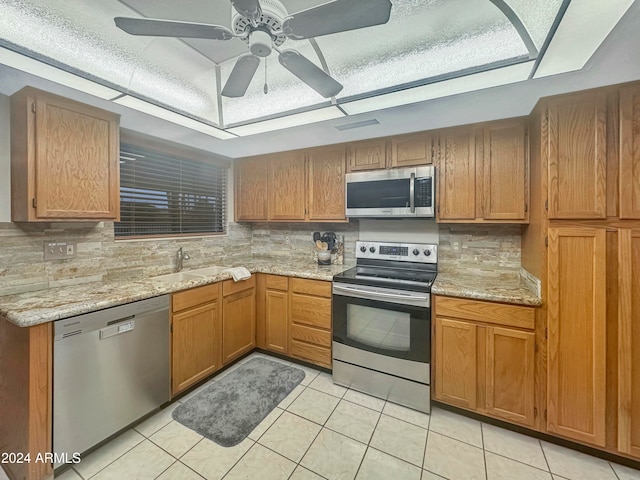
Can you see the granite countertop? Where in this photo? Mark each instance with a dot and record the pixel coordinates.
(33, 308)
(507, 287)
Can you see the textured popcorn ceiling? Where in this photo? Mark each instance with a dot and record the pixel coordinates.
(422, 40)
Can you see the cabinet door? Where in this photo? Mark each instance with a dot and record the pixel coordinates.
(456, 362)
(629, 342)
(326, 168)
(238, 324)
(577, 156)
(630, 152)
(510, 383)
(287, 185)
(76, 157)
(457, 175)
(411, 150)
(276, 320)
(368, 155)
(250, 197)
(505, 165)
(577, 333)
(195, 345)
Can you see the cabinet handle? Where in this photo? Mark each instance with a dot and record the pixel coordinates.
(34, 203)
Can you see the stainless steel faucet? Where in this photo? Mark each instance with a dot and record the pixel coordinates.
(180, 256)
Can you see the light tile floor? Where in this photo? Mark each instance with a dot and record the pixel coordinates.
(325, 431)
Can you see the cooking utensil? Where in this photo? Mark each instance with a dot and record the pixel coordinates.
(316, 236)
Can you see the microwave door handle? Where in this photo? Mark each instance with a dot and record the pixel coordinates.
(412, 193)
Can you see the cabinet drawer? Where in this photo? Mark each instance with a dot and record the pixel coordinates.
(312, 311)
(311, 335)
(311, 353)
(194, 296)
(486, 312)
(276, 282)
(318, 288)
(229, 286)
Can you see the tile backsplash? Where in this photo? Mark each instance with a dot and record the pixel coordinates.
(481, 248)
(295, 240)
(100, 257)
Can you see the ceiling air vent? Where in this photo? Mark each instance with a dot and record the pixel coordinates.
(363, 123)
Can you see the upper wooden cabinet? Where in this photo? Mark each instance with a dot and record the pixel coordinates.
(505, 158)
(286, 187)
(483, 173)
(630, 152)
(64, 159)
(456, 189)
(577, 318)
(367, 155)
(577, 150)
(326, 191)
(400, 151)
(412, 150)
(297, 186)
(251, 176)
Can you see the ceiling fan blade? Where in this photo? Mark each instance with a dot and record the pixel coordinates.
(336, 16)
(248, 8)
(169, 28)
(309, 73)
(241, 76)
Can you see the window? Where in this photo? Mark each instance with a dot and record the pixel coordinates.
(163, 194)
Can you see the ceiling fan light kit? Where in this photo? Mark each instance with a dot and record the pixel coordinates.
(265, 25)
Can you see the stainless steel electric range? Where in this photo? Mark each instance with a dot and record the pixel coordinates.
(382, 322)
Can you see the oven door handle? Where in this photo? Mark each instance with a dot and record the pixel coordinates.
(375, 295)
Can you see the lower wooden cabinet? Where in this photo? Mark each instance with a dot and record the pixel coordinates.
(629, 342)
(310, 321)
(456, 362)
(276, 314)
(196, 336)
(577, 324)
(484, 358)
(238, 318)
(509, 377)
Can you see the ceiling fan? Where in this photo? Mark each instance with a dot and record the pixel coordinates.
(265, 25)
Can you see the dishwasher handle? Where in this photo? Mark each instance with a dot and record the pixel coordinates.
(118, 329)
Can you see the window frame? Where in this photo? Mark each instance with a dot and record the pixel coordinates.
(183, 153)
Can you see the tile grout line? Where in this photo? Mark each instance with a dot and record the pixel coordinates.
(614, 470)
(118, 457)
(484, 451)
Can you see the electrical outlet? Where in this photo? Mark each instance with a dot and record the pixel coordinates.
(59, 250)
(455, 246)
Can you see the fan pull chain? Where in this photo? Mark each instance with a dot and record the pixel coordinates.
(266, 87)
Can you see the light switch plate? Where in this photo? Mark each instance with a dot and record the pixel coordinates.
(58, 250)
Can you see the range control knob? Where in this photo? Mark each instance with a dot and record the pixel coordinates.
(416, 251)
(363, 249)
(372, 249)
(427, 252)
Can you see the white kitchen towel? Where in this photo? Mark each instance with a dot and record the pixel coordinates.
(239, 273)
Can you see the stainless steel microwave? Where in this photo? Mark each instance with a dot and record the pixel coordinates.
(397, 193)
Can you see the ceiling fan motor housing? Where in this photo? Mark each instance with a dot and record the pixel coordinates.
(273, 13)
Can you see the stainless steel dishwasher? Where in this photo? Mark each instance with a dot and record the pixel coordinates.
(110, 368)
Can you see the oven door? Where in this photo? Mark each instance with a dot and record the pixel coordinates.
(383, 321)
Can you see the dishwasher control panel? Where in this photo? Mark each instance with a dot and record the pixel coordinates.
(110, 321)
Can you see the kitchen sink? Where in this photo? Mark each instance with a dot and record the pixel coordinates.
(177, 277)
(190, 274)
